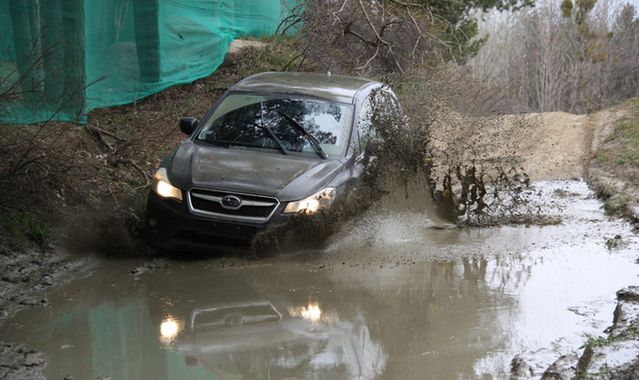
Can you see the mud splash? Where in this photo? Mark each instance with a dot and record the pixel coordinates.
(388, 298)
(455, 180)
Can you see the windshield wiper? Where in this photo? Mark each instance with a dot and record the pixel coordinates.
(277, 140)
(314, 142)
(269, 131)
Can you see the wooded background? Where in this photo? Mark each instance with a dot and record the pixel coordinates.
(505, 56)
(577, 56)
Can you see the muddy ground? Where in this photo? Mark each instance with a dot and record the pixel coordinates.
(549, 146)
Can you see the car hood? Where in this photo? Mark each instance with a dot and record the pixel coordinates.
(288, 177)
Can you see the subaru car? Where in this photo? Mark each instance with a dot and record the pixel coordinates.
(275, 145)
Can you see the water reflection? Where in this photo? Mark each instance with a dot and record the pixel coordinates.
(253, 339)
(311, 312)
(169, 329)
(272, 322)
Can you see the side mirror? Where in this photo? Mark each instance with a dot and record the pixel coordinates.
(188, 124)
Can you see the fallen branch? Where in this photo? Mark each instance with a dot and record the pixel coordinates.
(98, 134)
(372, 26)
(110, 134)
(135, 165)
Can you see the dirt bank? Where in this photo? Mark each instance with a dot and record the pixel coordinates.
(552, 145)
(548, 146)
(602, 148)
(614, 356)
(18, 362)
(26, 276)
(614, 159)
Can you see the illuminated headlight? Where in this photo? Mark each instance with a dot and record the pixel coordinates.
(162, 187)
(322, 199)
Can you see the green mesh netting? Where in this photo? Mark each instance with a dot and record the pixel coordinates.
(59, 59)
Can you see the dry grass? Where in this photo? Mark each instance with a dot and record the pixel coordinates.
(615, 167)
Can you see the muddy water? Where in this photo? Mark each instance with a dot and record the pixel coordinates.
(398, 296)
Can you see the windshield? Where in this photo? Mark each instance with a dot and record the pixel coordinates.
(270, 122)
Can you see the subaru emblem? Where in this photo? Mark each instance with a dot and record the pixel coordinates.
(231, 202)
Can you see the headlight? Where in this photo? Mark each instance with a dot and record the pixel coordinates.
(322, 199)
(162, 187)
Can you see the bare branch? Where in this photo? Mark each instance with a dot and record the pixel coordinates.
(370, 23)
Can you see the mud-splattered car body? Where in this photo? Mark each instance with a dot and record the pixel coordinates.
(274, 145)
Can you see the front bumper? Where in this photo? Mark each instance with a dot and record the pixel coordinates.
(170, 225)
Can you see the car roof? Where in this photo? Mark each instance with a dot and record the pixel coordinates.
(338, 88)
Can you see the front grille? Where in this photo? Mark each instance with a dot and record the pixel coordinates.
(253, 208)
(216, 207)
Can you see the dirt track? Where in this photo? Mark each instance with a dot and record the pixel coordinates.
(561, 145)
(559, 148)
(549, 146)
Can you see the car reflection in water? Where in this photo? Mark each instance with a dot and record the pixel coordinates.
(259, 340)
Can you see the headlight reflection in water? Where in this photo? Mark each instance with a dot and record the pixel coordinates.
(169, 329)
(311, 312)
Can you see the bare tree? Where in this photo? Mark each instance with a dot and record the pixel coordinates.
(624, 76)
(566, 56)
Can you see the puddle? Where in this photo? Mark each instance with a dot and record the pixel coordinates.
(395, 297)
